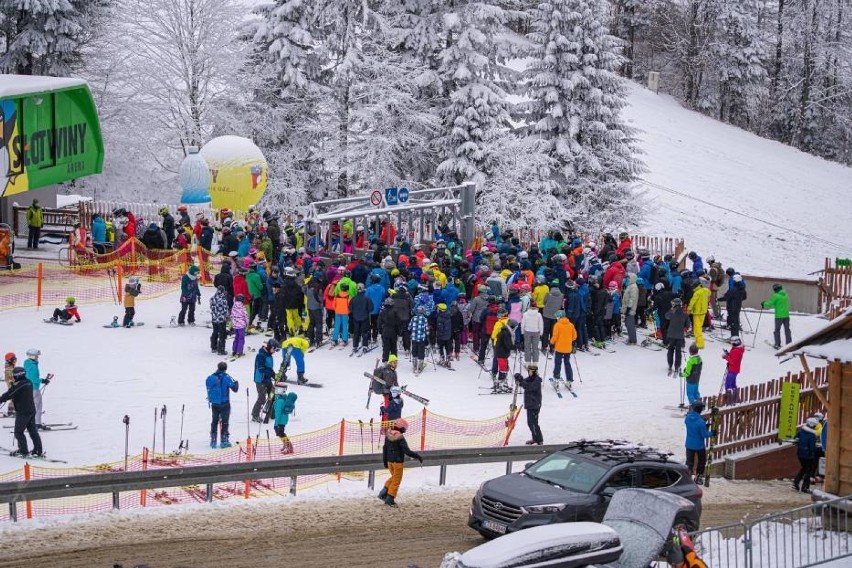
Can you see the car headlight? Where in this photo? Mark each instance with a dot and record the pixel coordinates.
(544, 509)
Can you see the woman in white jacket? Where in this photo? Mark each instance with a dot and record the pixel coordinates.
(532, 326)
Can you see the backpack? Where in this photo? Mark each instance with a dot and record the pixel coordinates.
(490, 319)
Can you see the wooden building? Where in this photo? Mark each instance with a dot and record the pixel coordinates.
(833, 343)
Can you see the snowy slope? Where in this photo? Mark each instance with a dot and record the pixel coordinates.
(744, 180)
(103, 374)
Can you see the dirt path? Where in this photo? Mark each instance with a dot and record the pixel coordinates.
(310, 533)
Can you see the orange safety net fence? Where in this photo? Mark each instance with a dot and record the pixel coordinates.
(101, 277)
(428, 431)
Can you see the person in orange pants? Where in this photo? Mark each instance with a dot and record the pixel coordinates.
(393, 456)
(698, 306)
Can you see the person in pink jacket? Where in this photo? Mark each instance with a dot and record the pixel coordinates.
(239, 322)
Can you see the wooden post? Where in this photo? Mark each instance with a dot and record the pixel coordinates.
(27, 477)
(143, 494)
(812, 382)
(423, 429)
(832, 452)
(39, 279)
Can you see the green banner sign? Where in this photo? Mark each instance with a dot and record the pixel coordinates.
(48, 138)
(788, 414)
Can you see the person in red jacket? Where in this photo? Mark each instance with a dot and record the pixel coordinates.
(624, 244)
(130, 227)
(615, 273)
(241, 285)
(734, 357)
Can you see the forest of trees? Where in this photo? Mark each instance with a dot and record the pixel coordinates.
(521, 96)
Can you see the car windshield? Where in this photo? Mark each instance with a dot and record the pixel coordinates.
(568, 471)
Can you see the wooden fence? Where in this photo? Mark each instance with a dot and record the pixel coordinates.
(835, 287)
(753, 421)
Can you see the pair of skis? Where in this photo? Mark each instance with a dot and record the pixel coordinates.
(57, 427)
(422, 400)
(554, 382)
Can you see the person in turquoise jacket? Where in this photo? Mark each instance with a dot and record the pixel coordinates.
(781, 304)
(284, 406)
(34, 376)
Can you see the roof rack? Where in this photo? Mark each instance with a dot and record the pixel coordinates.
(620, 451)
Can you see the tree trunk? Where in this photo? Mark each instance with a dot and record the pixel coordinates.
(631, 43)
(343, 141)
(779, 47)
(692, 55)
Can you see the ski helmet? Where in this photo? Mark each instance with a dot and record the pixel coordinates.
(692, 255)
(400, 424)
(819, 416)
(677, 302)
(71, 300)
(698, 406)
(222, 366)
(280, 389)
(33, 352)
(240, 298)
(811, 422)
(736, 341)
(730, 271)
(776, 287)
(19, 373)
(273, 344)
(395, 391)
(659, 286)
(392, 358)
(532, 367)
(10, 357)
(512, 323)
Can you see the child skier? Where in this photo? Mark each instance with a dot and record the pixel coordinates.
(692, 374)
(239, 322)
(294, 348)
(69, 311)
(393, 410)
(284, 406)
(734, 357)
(393, 456)
(132, 289)
(218, 386)
(418, 326)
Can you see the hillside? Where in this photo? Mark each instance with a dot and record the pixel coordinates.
(768, 209)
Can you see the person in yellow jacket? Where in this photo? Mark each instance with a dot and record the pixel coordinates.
(540, 292)
(35, 221)
(698, 306)
(293, 348)
(562, 338)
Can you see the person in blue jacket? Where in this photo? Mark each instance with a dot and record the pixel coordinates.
(219, 385)
(697, 264)
(264, 374)
(451, 293)
(382, 275)
(98, 233)
(377, 293)
(393, 410)
(696, 433)
(585, 302)
(244, 246)
(807, 454)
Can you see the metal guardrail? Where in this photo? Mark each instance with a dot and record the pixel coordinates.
(115, 483)
(806, 536)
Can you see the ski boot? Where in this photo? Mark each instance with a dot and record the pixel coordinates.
(503, 383)
(19, 454)
(364, 350)
(41, 454)
(300, 378)
(225, 443)
(213, 443)
(495, 384)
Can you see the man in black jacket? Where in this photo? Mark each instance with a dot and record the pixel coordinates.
(168, 226)
(662, 304)
(21, 394)
(389, 326)
(677, 322)
(532, 401)
(273, 231)
(359, 310)
(403, 305)
(502, 351)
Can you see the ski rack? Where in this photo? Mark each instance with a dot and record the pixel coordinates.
(620, 451)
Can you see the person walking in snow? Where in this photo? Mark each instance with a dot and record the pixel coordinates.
(219, 385)
(21, 394)
(532, 401)
(780, 303)
(189, 296)
(806, 452)
(393, 457)
(696, 434)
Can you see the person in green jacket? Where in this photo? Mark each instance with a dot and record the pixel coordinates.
(781, 304)
(255, 286)
(35, 221)
(346, 283)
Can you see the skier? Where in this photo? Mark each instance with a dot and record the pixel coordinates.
(361, 306)
(283, 407)
(264, 373)
(11, 361)
(444, 334)
(675, 338)
(294, 348)
(168, 226)
(218, 386)
(553, 302)
(389, 325)
(698, 308)
(293, 301)
(219, 320)
(563, 338)
(418, 327)
(532, 401)
(132, 289)
(630, 303)
(393, 410)
(697, 264)
(781, 304)
(386, 373)
(69, 311)
(532, 326)
(696, 433)
(734, 357)
(504, 342)
(21, 394)
(34, 376)
(733, 298)
(341, 318)
(189, 296)
(393, 457)
(692, 374)
(239, 322)
(806, 452)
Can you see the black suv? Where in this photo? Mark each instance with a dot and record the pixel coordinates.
(576, 484)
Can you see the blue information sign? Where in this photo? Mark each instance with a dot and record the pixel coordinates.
(391, 196)
(402, 195)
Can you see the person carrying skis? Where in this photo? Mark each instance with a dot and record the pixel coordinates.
(264, 373)
(393, 457)
(781, 304)
(675, 338)
(34, 376)
(698, 308)
(562, 340)
(189, 296)
(806, 451)
(734, 357)
(696, 434)
(283, 407)
(69, 311)
(239, 322)
(219, 385)
(21, 394)
(11, 361)
(132, 289)
(692, 374)
(294, 348)
(532, 401)
(386, 373)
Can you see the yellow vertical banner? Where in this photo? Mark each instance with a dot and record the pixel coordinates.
(788, 415)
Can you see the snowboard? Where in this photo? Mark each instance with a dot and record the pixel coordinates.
(58, 322)
(135, 324)
(307, 384)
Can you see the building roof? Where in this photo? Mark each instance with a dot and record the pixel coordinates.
(17, 85)
(832, 342)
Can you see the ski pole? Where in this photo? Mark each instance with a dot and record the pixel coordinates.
(361, 426)
(372, 449)
(248, 426)
(126, 421)
(754, 339)
(577, 366)
(546, 361)
(154, 441)
(163, 418)
(182, 407)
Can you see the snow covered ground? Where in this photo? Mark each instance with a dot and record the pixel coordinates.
(763, 207)
(103, 374)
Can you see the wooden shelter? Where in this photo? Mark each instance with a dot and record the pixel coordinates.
(833, 343)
